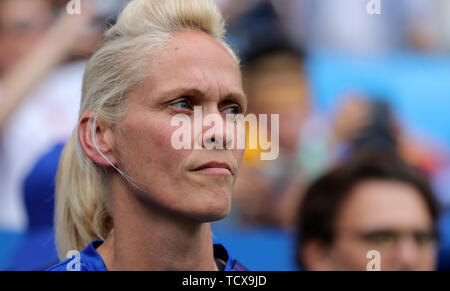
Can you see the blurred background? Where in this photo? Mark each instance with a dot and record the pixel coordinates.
(342, 80)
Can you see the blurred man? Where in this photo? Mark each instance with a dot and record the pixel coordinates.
(275, 84)
(373, 202)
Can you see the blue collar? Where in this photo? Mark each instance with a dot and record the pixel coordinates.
(90, 259)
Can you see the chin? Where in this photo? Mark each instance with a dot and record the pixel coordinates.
(215, 213)
(214, 209)
(210, 217)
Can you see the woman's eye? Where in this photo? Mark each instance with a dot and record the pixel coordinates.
(233, 110)
(182, 104)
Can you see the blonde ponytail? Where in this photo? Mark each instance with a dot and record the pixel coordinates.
(83, 207)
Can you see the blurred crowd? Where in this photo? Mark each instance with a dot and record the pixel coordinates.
(43, 52)
(355, 178)
(346, 181)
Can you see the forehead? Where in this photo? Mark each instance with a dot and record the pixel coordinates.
(384, 204)
(194, 59)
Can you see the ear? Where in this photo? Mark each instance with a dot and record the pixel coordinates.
(315, 256)
(103, 140)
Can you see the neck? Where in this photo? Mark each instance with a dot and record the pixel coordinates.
(148, 238)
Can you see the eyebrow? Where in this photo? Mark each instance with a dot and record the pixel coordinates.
(179, 92)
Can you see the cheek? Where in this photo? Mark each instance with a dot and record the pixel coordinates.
(160, 135)
(145, 146)
(429, 260)
(239, 155)
(167, 160)
(351, 254)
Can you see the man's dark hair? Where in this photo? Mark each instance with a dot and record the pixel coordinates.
(324, 198)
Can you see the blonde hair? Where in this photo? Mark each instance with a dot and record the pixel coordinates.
(83, 194)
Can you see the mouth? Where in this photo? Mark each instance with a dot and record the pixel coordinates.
(214, 169)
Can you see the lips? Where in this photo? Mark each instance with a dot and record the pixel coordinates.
(214, 168)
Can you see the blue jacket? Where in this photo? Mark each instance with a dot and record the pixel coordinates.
(90, 260)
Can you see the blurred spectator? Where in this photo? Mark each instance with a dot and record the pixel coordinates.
(363, 122)
(429, 27)
(40, 89)
(275, 84)
(346, 26)
(378, 127)
(31, 47)
(234, 8)
(326, 140)
(342, 26)
(442, 23)
(22, 24)
(372, 202)
(266, 191)
(254, 29)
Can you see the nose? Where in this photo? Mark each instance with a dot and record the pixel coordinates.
(214, 130)
(407, 254)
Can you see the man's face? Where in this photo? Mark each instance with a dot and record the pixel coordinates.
(389, 217)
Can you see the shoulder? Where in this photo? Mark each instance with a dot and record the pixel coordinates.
(86, 260)
(90, 260)
(62, 266)
(238, 267)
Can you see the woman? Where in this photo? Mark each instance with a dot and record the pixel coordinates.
(122, 189)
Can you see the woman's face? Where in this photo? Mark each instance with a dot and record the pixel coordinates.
(193, 70)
